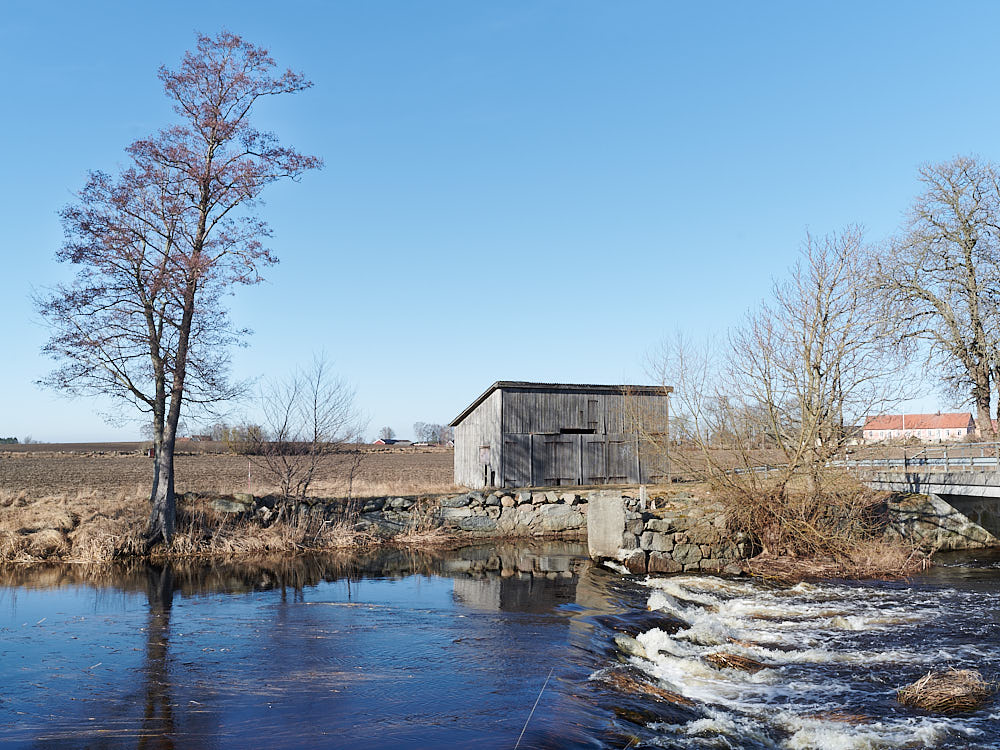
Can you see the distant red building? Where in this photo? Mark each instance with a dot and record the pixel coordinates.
(928, 428)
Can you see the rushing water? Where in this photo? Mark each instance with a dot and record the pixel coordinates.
(453, 650)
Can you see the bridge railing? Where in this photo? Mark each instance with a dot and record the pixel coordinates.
(963, 457)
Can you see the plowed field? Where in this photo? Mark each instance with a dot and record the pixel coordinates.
(53, 470)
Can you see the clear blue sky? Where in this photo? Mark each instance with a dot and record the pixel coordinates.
(513, 190)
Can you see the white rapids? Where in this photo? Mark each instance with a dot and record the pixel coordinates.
(834, 656)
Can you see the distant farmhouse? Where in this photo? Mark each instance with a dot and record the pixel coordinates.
(520, 434)
(928, 428)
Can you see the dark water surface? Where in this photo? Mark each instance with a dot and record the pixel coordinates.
(404, 650)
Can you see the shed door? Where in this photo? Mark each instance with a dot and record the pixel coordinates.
(594, 459)
(621, 459)
(517, 461)
(556, 459)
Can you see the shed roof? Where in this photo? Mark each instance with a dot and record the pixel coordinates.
(955, 420)
(646, 390)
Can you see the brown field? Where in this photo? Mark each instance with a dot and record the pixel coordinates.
(111, 468)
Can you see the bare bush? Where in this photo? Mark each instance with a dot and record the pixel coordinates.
(310, 423)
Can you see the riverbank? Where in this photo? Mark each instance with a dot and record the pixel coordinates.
(92, 527)
(646, 530)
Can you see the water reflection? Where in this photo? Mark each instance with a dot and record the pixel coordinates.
(292, 576)
(395, 649)
(158, 719)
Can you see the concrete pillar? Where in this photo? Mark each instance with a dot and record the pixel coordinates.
(605, 524)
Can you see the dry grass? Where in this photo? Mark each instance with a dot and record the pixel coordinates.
(89, 503)
(90, 527)
(797, 520)
(202, 532)
(869, 558)
(830, 527)
(953, 691)
(81, 526)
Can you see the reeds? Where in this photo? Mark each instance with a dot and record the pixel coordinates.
(830, 527)
(868, 558)
(949, 692)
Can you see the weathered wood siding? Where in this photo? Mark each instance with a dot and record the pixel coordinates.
(516, 461)
(547, 436)
(480, 429)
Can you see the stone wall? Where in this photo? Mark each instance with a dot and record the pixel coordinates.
(679, 533)
(931, 522)
(521, 513)
(682, 533)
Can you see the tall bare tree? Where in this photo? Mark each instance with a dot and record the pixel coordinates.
(815, 358)
(769, 412)
(158, 247)
(797, 375)
(940, 278)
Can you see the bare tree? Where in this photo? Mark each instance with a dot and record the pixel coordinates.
(940, 279)
(386, 433)
(430, 432)
(160, 245)
(815, 359)
(310, 422)
(797, 376)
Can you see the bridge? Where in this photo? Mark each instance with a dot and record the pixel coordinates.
(966, 477)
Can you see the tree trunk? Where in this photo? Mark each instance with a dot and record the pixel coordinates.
(163, 513)
(982, 396)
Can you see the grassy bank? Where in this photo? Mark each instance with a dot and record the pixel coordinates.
(828, 527)
(94, 527)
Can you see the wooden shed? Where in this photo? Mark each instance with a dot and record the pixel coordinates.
(520, 434)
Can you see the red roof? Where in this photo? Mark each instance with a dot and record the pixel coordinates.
(958, 420)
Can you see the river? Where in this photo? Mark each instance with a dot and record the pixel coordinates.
(484, 647)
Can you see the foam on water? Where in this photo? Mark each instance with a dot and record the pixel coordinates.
(830, 654)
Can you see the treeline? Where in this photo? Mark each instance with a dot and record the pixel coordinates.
(429, 432)
(9, 441)
(853, 329)
(856, 327)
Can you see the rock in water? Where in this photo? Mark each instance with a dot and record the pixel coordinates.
(734, 661)
(629, 645)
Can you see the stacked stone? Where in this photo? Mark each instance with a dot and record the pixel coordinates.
(521, 513)
(687, 537)
(932, 523)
